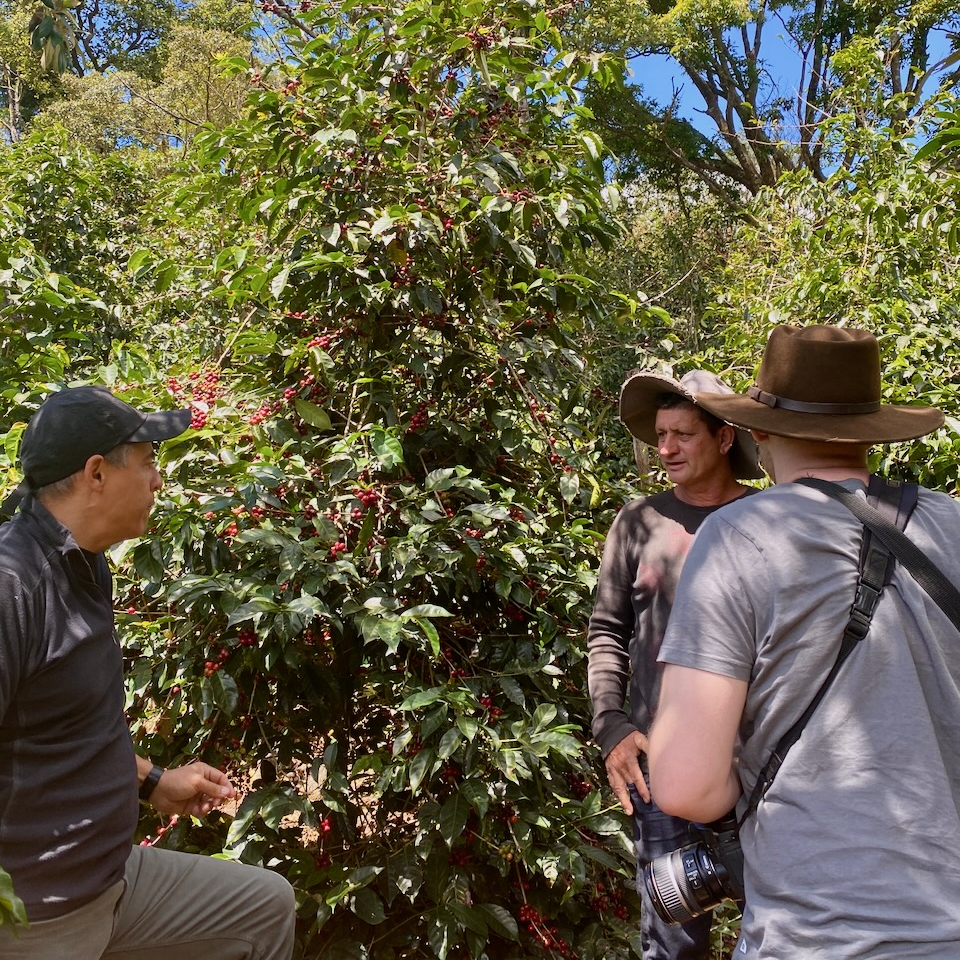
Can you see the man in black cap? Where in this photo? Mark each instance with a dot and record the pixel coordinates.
(705, 458)
(69, 780)
(853, 850)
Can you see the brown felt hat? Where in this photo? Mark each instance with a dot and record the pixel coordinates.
(822, 383)
(638, 411)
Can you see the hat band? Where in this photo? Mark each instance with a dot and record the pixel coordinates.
(772, 400)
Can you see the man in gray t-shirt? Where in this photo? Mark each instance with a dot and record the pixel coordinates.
(854, 852)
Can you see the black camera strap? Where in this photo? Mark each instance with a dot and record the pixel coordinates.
(927, 574)
(882, 539)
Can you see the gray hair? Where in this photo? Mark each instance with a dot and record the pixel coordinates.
(60, 488)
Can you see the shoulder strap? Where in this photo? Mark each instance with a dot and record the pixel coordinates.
(896, 502)
(893, 501)
(930, 577)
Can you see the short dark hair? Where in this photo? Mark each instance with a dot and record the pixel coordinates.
(674, 401)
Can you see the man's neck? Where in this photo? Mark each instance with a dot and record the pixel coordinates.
(836, 474)
(714, 494)
(795, 459)
(70, 514)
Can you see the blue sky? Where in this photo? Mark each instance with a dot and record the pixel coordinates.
(659, 75)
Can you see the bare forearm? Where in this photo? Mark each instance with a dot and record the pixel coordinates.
(690, 751)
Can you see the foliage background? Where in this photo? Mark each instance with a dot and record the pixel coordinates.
(380, 254)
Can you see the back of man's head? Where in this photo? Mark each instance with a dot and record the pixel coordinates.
(821, 384)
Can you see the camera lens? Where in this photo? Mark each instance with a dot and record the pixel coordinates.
(685, 883)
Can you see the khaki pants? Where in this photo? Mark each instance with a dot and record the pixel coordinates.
(170, 906)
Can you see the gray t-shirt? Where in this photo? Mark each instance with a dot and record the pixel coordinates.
(855, 850)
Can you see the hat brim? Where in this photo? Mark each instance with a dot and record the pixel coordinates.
(887, 425)
(638, 413)
(162, 425)
(638, 403)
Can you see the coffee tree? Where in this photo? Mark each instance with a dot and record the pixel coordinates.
(376, 549)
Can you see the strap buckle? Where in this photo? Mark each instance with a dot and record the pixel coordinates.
(865, 602)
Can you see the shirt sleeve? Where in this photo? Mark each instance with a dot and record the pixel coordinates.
(608, 638)
(714, 623)
(13, 637)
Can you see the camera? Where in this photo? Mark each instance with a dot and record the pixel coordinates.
(689, 881)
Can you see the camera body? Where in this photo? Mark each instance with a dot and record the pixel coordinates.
(688, 882)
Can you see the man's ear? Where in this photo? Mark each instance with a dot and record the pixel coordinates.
(727, 437)
(93, 471)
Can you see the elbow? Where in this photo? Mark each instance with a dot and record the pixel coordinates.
(673, 782)
(673, 795)
(686, 796)
(690, 790)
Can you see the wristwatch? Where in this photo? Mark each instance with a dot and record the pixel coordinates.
(150, 782)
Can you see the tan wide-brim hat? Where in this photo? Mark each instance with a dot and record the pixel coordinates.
(821, 383)
(638, 411)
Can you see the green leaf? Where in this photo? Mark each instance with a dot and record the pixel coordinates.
(440, 479)
(512, 690)
(435, 719)
(313, 414)
(432, 635)
(470, 918)
(599, 855)
(544, 715)
(441, 933)
(468, 727)
(382, 225)
(405, 873)
(422, 698)
(331, 234)
(477, 794)
(368, 907)
(453, 817)
(11, 441)
(12, 909)
(569, 486)
(419, 768)
(388, 449)
(225, 692)
(500, 921)
(425, 610)
(137, 259)
(279, 282)
(449, 743)
(273, 804)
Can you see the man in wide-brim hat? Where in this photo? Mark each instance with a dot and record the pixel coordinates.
(852, 851)
(704, 458)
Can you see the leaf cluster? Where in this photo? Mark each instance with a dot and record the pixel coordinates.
(375, 550)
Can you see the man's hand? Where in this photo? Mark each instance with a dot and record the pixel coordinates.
(623, 767)
(193, 790)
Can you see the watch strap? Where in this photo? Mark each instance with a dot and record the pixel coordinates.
(150, 782)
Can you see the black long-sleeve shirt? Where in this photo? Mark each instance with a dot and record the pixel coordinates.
(642, 559)
(68, 787)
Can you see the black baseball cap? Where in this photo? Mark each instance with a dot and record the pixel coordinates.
(78, 422)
